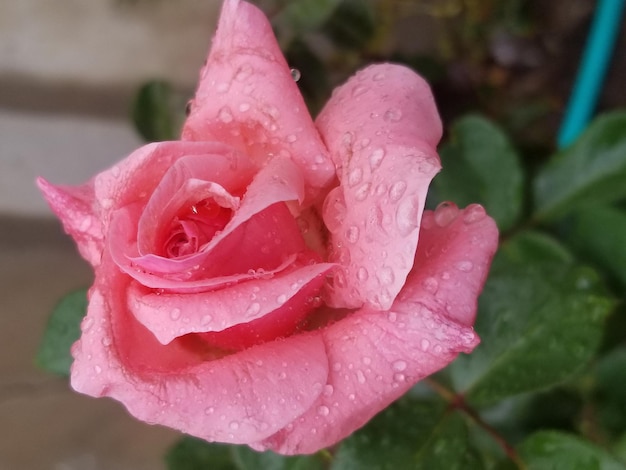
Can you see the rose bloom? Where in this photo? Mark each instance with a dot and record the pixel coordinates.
(260, 281)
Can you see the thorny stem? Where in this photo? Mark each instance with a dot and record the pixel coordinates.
(457, 401)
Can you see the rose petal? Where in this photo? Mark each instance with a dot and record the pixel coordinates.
(239, 398)
(247, 98)
(382, 127)
(375, 357)
(169, 316)
(75, 207)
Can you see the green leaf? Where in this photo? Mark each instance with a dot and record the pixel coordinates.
(410, 434)
(549, 450)
(195, 454)
(540, 321)
(300, 16)
(248, 459)
(62, 330)
(352, 24)
(157, 112)
(480, 165)
(599, 233)
(610, 374)
(592, 170)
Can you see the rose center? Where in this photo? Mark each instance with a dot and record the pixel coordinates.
(194, 226)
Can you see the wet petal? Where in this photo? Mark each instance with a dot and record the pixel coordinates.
(247, 98)
(382, 127)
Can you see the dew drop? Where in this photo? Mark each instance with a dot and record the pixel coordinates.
(425, 344)
(206, 319)
(358, 90)
(225, 115)
(392, 316)
(365, 142)
(337, 366)
(355, 177)
(221, 88)
(393, 115)
(473, 213)
(234, 425)
(334, 210)
(362, 274)
(106, 342)
(399, 366)
(352, 234)
(281, 299)
(376, 158)
(296, 75)
(445, 275)
(367, 360)
(360, 377)
(328, 390)
(465, 266)
(407, 218)
(243, 107)
(209, 411)
(253, 309)
(399, 377)
(323, 411)
(430, 284)
(397, 190)
(175, 314)
(291, 138)
(362, 192)
(85, 224)
(385, 276)
(244, 72)
(378, 76)
(97, 369)
(445, 213)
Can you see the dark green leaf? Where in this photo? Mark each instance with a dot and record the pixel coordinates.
(195, 454)
(299, 16)
(539, 321)
(248, 459)
(549, 450)
(611, 391)
(599, 233)
(480, 165)
(62, 331)
(592, 170)
(157, 111)
(410, 434)
(352, 24)
(313, 82)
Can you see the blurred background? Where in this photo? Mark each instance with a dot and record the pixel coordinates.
(83, 83)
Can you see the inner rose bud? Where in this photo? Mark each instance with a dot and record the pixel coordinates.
(194, 227)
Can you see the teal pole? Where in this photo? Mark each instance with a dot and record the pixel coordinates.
(596, 57)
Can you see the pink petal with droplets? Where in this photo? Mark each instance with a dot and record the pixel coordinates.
(246, 97)
(382, 127)
(375, 357)
(239, 398)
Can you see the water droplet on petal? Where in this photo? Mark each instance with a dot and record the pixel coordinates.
(430, 284)
(362, 192)
(221, 88)
(378, 76)
(97, 369)
(425, 344)
(358, 90)
(465, 266)
(291, 138)
(323, 410)
(352, 234)
(253, 309)
(445, 213)
(328, 390)
(376, 158)
(225, 115)
(243, 107)
(355, 177)
(362, 274)
(399, 366)
(367, 360)
(474, 213)
(334, 210)
(234, 425)
(407, 218)
(445, 275)
(175, 314)
(397, 190)
(393, 115)
(244, 72)
(360, 377)
(392, 316)
(106, 342)
(385, 275)
(399, 377)
(281, 299)
(296, 75)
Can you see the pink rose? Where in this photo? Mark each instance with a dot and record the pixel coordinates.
(260, 281)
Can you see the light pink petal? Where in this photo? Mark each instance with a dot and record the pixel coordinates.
(382, 127)
(240, 398)
(169, 316)
(247, 98)
(375, 357)
(75, 207)
(231, 172)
